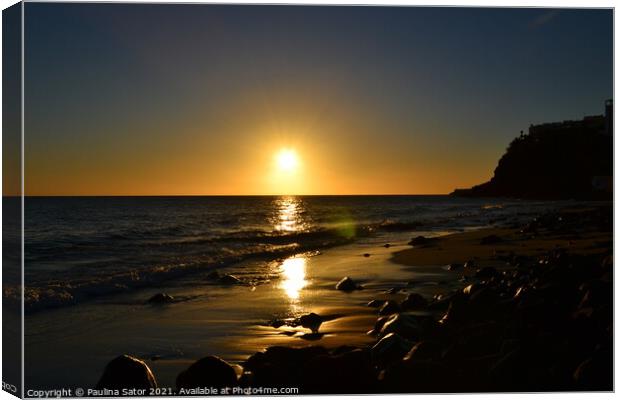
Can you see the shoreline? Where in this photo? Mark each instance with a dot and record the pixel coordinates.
(464, 246)
(389, 274)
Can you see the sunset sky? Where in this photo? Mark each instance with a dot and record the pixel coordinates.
(204, 99)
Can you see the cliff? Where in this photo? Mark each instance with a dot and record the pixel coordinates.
(562, 160)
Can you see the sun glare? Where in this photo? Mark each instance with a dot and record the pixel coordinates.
(287, 160)
(293, 276)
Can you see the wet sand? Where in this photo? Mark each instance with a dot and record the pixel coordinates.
(228, 321)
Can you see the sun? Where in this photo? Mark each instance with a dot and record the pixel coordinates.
(287, 160)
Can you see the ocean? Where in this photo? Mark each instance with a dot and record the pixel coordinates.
(78, 248)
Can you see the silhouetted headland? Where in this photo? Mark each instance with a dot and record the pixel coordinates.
(558, 160)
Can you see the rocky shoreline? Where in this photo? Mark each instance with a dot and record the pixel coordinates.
(530, 322)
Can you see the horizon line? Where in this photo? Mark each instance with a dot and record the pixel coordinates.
(228, 195)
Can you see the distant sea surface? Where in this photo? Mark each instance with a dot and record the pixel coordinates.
(80, 247)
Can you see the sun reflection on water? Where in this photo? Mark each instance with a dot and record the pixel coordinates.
(293, 276)
(288, 215)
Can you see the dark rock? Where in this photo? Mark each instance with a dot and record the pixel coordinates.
(471, 289)
(276, 323)
(229, 280)
(595, 373)
(366, 254)
(375, 303)
(455, 267)
(483, 302)
(469, 264)
(486, 273)
(311, 321)
(419, 241)
(458, 311)
(491, 239)
(378, 325)
(347, 284)
(477, 340)
(312, 336)
(161, 298)
(389, 307)
(127, 372)
(527, 368)
(280, 365)
(413, 301)
(596, 293)
(209, 371)
(406, 326)
(387, 245)
(417, 377)
(425, 350)
(348, 372)
(390, 348)
(213, 275)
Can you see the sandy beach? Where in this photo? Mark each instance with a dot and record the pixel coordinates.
(230, 321)
(207, 320)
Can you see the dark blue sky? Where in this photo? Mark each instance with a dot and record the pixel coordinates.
(422, 99)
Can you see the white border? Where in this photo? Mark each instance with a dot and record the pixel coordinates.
(476, 3)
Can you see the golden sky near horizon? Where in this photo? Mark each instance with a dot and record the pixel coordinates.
(200, 100)
(335, 155)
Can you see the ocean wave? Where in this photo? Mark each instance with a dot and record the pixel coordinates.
(67, 291)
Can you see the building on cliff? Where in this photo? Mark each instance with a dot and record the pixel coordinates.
(569, 159)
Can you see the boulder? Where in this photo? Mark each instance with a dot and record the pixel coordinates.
(457, 310)
(404, 325)
(229, 280)
(213, 275)
(424, 350)
(491, 239)
(390, 348)
(471, 289)
(378, 325)
(127, 372)
(595, 374)
(417, 377)
(276, 323)
(161, 298)
(486, 273)
(389, 307)
(209, 371)
(375, 303)
(455, 267)
(347, 372)
(280, 365)
(310, 321)
(469, 264)
(414, 301)
(419, 241)
(347, 284)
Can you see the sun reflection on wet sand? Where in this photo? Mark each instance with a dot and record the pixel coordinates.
(293, 276)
